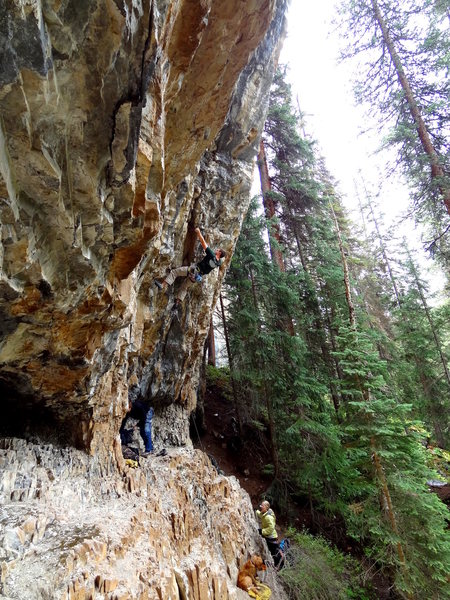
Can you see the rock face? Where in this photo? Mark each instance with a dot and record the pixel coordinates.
(124, 124)
(171, 529)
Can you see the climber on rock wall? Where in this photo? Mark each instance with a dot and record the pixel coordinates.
(193, 273)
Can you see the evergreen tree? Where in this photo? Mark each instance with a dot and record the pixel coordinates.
(422, 334)
(404, 49)
(338, 423)
(273, 367)
(390, 509)
(378, 428)
(404, 326)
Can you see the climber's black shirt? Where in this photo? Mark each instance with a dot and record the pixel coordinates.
(208, 262)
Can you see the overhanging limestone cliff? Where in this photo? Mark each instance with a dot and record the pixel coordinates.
(124, 124)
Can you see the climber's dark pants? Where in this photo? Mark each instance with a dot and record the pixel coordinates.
(274, 550)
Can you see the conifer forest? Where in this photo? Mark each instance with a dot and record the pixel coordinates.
(337, 353)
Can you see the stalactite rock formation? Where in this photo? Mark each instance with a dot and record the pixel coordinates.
(124, 124)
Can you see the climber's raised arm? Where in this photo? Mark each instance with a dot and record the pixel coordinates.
(201, 238)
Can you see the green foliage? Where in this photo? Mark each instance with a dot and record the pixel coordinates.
(423, 337)
(317, 571)
(377, 424)
(401, 52)
(339, 404)
(219, 376)
(439, 461)
(268, 470)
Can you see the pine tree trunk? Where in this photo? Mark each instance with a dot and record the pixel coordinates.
(384, 253)
(268, 400)
(388, 501)
(296, 229)
(366, 395)
(348, 293)
(437, 419)
(269, 209)
(436, 168)
(230, 362)
(334, 348)
(211, 345)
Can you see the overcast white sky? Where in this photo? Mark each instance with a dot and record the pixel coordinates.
(325, 96)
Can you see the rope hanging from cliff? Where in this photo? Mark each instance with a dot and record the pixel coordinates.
(198, 435)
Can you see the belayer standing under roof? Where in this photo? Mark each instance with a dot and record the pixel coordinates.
(144, 414)
(195, 272)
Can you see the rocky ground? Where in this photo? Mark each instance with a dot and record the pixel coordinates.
(70, 529)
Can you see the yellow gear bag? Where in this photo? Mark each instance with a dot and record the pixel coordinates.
(131, 463)
(262, 593)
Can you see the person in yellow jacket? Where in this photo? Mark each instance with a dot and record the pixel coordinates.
(267, 521)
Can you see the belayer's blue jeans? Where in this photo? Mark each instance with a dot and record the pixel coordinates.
(147, 434)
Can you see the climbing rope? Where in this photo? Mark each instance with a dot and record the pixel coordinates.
(198, 435)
